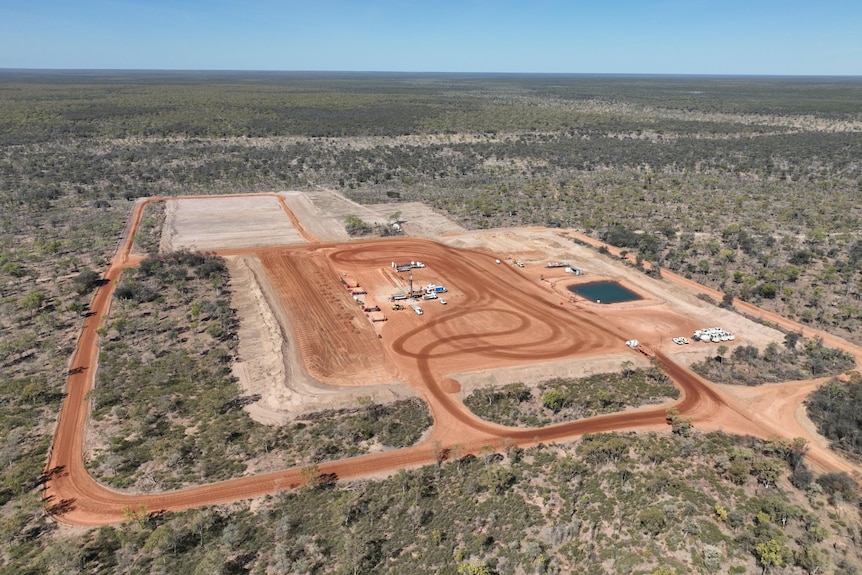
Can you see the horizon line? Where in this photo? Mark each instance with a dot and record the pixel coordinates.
(420, 73)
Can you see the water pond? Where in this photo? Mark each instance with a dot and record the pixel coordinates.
(604, 292)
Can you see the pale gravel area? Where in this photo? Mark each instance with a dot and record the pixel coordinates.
(212, 224)
(419, 220)
(322, 224)
(339, 207)
(322, 212)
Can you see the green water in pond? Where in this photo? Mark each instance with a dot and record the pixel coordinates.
(604, 292)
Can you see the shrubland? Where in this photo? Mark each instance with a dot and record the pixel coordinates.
(558, 400)
(609, 503)
(790, 361)
(748, 185)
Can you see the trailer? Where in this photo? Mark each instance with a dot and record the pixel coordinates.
(407, 266)
(398, 297)
(564, 264)
(369, 309)
(430, 295)
(417, 309)
(433, 288)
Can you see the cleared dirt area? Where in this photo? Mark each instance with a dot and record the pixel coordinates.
(646, 319)
(306, 334)
(338, 207)
(212, 224)
(325, 225)
(419, 220)
(338, 343)
(416, 219)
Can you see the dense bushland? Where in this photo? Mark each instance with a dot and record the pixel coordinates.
(836, 408)
(748, 185)
(610, 503)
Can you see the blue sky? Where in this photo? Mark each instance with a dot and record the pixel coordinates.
(778, 37)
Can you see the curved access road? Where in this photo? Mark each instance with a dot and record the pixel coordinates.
(506, 319)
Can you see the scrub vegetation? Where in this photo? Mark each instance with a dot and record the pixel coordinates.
(559, 400)
(836, 408)
(611, 503)
(748, 185)
(747, 365)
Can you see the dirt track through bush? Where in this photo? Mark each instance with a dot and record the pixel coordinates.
(498, 316)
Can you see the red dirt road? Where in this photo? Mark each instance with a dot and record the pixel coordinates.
(497, 316)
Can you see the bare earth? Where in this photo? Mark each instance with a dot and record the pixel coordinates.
(305, 342)
(231, 222)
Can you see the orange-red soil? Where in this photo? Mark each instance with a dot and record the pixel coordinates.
(496, 316)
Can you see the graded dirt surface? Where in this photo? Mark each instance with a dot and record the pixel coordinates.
(212, 224)
(497, 316)
(339, 345)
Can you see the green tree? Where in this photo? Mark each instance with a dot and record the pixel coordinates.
(653, 520)
(355, 226)
(32, 302)
(771, 553)
(768, 290)
(555, 400)
(474, 568)
(85, 281)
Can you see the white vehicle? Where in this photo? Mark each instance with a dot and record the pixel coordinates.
(442, 301)
(417, 309)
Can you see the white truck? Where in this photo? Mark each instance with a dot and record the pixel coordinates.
(417, 309)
